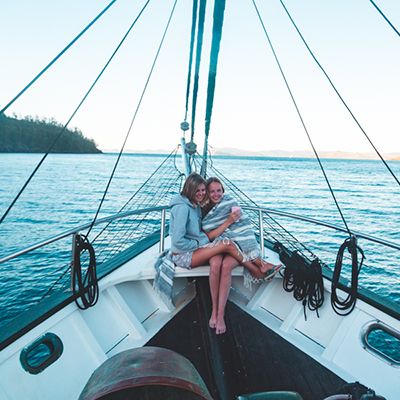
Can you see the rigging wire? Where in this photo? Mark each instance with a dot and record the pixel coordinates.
(104, 236)
(384, 17)
(199, 46)
(338, 94)
(123, 208)
(219, 10)
(192, 36)
(56, 58)
(301, 118)
(133, 118)
(72, 116)
(346, 306)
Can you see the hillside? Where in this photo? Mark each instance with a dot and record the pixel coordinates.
(304, 154)
(30, 135)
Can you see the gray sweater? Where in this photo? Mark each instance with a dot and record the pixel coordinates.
(185, 226)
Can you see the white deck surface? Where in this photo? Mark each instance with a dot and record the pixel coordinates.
(129, 313)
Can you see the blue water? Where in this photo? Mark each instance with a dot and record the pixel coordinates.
(68, 188)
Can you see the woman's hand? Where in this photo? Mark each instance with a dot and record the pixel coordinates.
(234, 216)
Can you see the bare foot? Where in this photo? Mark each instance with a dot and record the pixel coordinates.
(220, 327)
(213, 322)
(264, 266)
(272, 272)
(258, 274)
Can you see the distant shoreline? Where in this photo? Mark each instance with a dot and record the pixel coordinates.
(161, 153)
(274, 154)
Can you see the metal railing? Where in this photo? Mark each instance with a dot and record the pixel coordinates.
(80, 228)
(163, 209)
(268, 211)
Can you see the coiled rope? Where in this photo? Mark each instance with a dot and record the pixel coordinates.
(86, 290)
(302, 278)
(346, 306)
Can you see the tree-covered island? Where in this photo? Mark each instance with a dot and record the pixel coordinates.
(34, 135)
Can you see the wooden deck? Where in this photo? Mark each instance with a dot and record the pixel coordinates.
(248, 358)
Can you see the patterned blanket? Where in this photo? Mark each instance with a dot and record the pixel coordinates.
(164, 279)
(241, 232)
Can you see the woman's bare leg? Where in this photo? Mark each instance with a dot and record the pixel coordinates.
(214, 279)
(202, 255)
(228, 264)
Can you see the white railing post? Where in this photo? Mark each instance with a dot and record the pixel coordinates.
(261, 227)
(162, 230)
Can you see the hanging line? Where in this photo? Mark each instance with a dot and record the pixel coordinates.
(72, 116)
(199, 46)
(219, 9)
(55, 59)
(346, 306)
(301, 119)
(192, 36)
(133, 119)
(339, 95)
(385, 18)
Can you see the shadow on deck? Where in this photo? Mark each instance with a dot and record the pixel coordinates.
(248, 358)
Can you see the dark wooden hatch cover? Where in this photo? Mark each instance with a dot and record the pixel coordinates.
(145, 373)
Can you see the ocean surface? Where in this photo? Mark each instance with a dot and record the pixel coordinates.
(67, 189)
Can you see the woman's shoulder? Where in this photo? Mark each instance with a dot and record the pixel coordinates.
(179, 200)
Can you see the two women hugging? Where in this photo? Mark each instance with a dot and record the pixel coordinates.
(208, 227)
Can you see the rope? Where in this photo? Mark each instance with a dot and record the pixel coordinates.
(87, 289)
(339, 95)
(219, 9)
(301, 119)
(302, 278)
(384, 17)
(199, 45)
(192, 35)
(55, 58)
(346, 306)
(72, 116)
(134, 117)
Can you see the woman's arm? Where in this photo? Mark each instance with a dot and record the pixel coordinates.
(232, 218)
(178, 233)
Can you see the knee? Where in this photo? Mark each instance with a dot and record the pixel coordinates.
(229, 245)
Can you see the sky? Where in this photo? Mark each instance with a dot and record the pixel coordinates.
(252, 108)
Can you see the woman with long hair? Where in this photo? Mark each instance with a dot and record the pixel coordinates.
(190, 246)
(223, 220)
